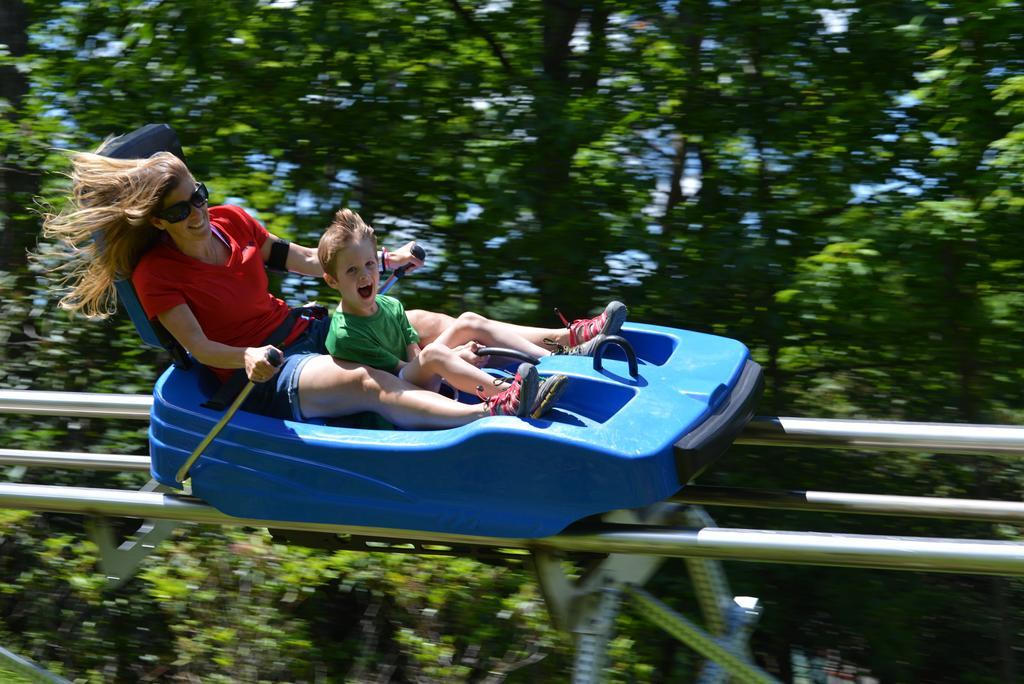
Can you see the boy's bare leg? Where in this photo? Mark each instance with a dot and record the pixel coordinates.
(451, 364)
(535, 336)
(430, 324)
(473, 327)
(328, 388)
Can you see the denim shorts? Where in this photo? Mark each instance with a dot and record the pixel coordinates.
(279, 396)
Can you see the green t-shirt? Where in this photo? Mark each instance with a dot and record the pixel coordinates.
(379, 340)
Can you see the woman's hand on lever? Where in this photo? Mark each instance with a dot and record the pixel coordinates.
(258, 362)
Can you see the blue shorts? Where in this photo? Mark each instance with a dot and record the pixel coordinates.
(279, 396)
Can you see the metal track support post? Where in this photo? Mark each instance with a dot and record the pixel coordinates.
(119, 561)
(708, 577)
(729, 618)
(587, 606)
(593, 635)
(718, 650)
(744, 612)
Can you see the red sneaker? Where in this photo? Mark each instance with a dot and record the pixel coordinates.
(519, 397)
(585, 333)
(608, 322)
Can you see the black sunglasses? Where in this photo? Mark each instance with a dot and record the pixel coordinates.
(179, 211)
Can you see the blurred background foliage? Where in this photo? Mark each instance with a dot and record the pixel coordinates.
(837, 184)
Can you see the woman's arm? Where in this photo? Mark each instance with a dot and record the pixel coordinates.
(182, 323)
(304, 260)
(300, 259)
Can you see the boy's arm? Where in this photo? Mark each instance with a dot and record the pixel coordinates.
(403, 256)
(412, 351)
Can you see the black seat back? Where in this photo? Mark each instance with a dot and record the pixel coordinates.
(140, 144)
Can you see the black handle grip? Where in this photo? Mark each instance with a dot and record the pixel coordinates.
(275, 358)
(510, 353)
(623, 343)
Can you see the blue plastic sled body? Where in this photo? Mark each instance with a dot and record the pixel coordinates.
(612, 442)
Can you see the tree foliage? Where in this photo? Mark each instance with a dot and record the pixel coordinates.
(837, 185)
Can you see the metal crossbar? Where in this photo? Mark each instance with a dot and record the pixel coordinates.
(29, 669)
(719, 651)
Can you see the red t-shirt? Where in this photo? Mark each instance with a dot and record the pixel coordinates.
(231, 301)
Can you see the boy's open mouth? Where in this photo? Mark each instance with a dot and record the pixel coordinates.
(366, 291)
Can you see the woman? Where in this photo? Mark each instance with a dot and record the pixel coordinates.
(199, 270)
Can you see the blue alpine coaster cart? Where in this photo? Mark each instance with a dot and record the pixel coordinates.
(637, 422)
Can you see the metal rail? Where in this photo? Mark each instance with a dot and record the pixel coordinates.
(841, 502)
(76, 404)
(872, 435)
(843, 550)
(74, 460)
(701, 495)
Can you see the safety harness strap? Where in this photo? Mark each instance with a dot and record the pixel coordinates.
(227, 392)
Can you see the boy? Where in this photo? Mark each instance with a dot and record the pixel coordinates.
(373, 329)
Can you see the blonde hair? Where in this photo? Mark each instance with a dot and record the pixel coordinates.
(346, 228)
(106, 227)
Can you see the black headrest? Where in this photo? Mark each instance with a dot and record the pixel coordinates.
(145, 142)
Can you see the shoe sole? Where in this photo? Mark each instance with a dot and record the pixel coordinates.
(612, 326)
(587, 348)
(615, 319)
(528, 388)
(550, 391)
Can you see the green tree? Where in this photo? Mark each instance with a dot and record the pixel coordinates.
(837, 185)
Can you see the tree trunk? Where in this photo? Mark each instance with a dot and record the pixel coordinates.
(18, 185)
(567, 246)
